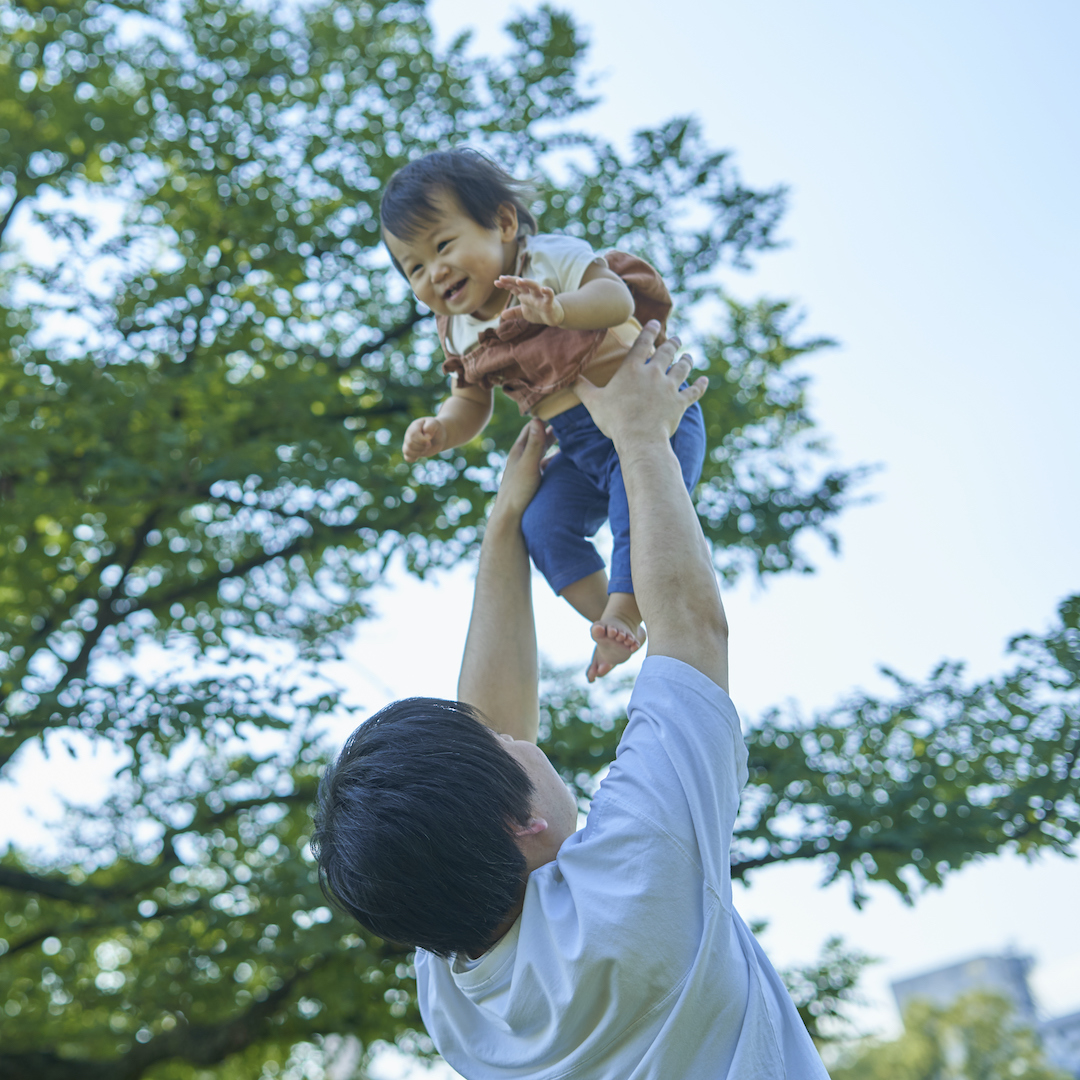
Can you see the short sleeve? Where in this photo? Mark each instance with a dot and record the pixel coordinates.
(559, 262)
(681, 764)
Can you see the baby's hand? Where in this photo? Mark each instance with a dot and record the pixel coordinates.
(539, 304)
(423, 438)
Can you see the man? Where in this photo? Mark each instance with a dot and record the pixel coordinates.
(613, 953)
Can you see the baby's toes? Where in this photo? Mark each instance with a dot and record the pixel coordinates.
(598, 668)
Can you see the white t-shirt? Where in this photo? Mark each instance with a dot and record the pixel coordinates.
(557, 261)
(628, 961)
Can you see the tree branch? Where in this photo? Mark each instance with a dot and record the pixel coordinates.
(10, 211)
(744, 866)
(393, 334)
(57, 888)
(203, 1045)
(29, 942)
(75, 667)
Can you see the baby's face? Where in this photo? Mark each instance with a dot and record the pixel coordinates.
(452, 263)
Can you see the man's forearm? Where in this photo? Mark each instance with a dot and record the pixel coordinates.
(674, 581)
(499, 668)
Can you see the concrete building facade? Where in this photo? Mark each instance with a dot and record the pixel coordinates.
(1006, 975)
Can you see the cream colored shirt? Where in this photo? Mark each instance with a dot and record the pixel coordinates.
(559, 262)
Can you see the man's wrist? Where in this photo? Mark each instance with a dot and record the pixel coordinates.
(637, 444)
(504, 520)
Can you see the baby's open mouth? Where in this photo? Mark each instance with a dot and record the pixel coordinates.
(455, 290)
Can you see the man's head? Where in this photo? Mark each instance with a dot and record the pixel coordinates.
(416, 823)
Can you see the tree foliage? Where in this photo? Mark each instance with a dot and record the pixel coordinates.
(206, 368)
(905, 789)
(203, 407)
(825, 990)
(902, 789)
(975, 1038)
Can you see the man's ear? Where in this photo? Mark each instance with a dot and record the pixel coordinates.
(508, 222)
(533, 826)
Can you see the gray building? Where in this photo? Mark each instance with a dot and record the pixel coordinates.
(1005, 975)
(1061, 1041)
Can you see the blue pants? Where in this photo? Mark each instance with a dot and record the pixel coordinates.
(583, 486)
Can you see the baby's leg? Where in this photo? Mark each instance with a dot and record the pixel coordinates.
(617, 630)
(566, 509)
(588, 596)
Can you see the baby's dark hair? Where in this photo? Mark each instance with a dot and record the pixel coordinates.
(413, 827)
(478, 183)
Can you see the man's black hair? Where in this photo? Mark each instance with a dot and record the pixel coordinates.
(413, 827)
(478, 183)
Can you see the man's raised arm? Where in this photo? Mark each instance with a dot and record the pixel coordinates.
(674, 582)
(499, 668)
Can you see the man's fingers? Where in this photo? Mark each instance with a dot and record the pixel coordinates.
(530, 440)
(681, 365)
(642, 349)
(547, 459)
(534, 436)
(691, 393)
(519, 443)
(583, 388)
(523, 434)
(664, 353)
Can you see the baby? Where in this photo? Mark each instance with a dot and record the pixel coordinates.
(533, 313)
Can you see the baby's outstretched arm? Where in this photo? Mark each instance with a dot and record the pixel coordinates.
(462, 416)
(602, 301)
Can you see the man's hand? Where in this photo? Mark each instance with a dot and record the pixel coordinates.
(539, 304)
(643, 399)
(521, 477)
(424, 437)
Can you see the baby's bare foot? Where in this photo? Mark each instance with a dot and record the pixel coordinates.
(616, 641)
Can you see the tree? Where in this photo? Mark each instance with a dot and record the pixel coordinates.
(975, 1038)
(202, 406)
(823, 991)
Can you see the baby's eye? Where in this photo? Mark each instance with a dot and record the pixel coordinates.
(412, 272)
(442, 244)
